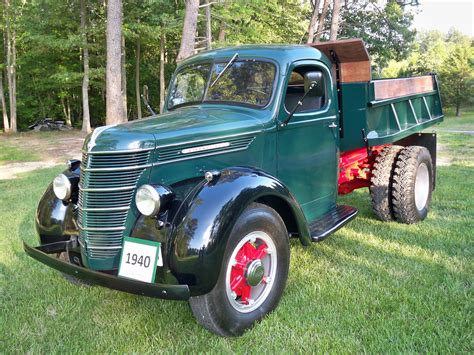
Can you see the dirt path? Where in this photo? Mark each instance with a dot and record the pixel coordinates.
(47, 149)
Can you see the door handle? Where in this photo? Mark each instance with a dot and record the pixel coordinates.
(332, 125)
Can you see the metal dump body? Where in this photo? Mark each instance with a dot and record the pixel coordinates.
(383, 111)
(388, 110)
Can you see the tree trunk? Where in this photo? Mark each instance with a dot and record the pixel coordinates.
(222, 28)
(137, 79)
(208, 26)
(114, 101)
(321, 21)
(69, 117)
(6, 124)
(11, 66)
(124, 79)
(189, 30)
(162, 72)
(335, 20)
(313, 22)
(66, 110)
(86, 120)
(458, 109)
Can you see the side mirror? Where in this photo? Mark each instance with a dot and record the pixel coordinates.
(316, 78)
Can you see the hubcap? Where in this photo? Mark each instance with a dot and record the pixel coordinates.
(255, 272)
(251, 271)
(422, 186)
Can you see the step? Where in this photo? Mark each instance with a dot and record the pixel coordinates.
(331, 222)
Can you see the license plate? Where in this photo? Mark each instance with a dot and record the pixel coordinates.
(139, 259)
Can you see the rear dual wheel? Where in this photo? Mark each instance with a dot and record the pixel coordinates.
(252, 277)
(401, 184)
(412, 185)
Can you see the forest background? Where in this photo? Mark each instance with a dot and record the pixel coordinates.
(53, 52)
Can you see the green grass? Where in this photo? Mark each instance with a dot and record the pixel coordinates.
(10, 153)
(463, 123)
(371, 287)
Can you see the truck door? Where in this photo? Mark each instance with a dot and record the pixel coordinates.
(307, 147)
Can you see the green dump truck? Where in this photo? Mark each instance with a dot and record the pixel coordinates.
(254, 146)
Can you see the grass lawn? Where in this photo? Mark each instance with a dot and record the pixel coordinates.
(10, 154)
(371, 287)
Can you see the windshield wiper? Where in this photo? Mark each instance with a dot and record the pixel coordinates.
(231, 61)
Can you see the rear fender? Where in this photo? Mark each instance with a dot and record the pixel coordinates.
(207, 215)
(427, 140)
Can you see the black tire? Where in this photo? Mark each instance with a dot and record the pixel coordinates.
(74, 280)
(214, 310)
(411, 201)
(381, 182)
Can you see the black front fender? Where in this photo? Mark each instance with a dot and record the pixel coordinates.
(55, 219)
(206, 218)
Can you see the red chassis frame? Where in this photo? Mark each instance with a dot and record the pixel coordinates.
(355, 168)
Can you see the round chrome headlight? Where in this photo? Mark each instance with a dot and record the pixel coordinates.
(147, 200)
(62, 187)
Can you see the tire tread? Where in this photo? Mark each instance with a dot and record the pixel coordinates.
(381, 182)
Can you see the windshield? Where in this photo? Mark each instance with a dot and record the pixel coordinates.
(247, 81)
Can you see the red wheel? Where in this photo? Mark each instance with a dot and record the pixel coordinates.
(250, 272)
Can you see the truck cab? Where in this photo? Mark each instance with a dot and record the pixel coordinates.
(252, 149)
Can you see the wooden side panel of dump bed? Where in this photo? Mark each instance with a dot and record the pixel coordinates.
(392, 88)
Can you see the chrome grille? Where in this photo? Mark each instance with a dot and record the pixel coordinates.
(106, 189)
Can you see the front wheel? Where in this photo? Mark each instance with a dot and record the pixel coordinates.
(252, 277)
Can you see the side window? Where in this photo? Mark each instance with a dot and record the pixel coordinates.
(314, 101)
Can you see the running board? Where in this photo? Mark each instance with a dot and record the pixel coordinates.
(331, 222)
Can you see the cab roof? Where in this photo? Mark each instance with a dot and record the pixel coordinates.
(282, 54)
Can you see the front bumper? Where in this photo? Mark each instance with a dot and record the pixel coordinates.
(174, 292)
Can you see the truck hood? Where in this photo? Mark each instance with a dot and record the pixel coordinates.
(191, 123)
(194, 123)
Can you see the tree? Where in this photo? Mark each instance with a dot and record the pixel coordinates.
(123, 75)
(114, 105)
(11, 65)
(6, 125)
(189, 30)
(313, 21)
(86, 120)
(321, 21)
(457, 74)
(336, 8)
(450, 55)
(162, 72)
(137, 78)
(208, 25)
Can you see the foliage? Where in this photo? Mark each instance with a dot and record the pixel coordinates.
(50, 55)
(450, 55)
(372, 287)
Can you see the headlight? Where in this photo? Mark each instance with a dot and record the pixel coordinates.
(147, 200)
(62, 187)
